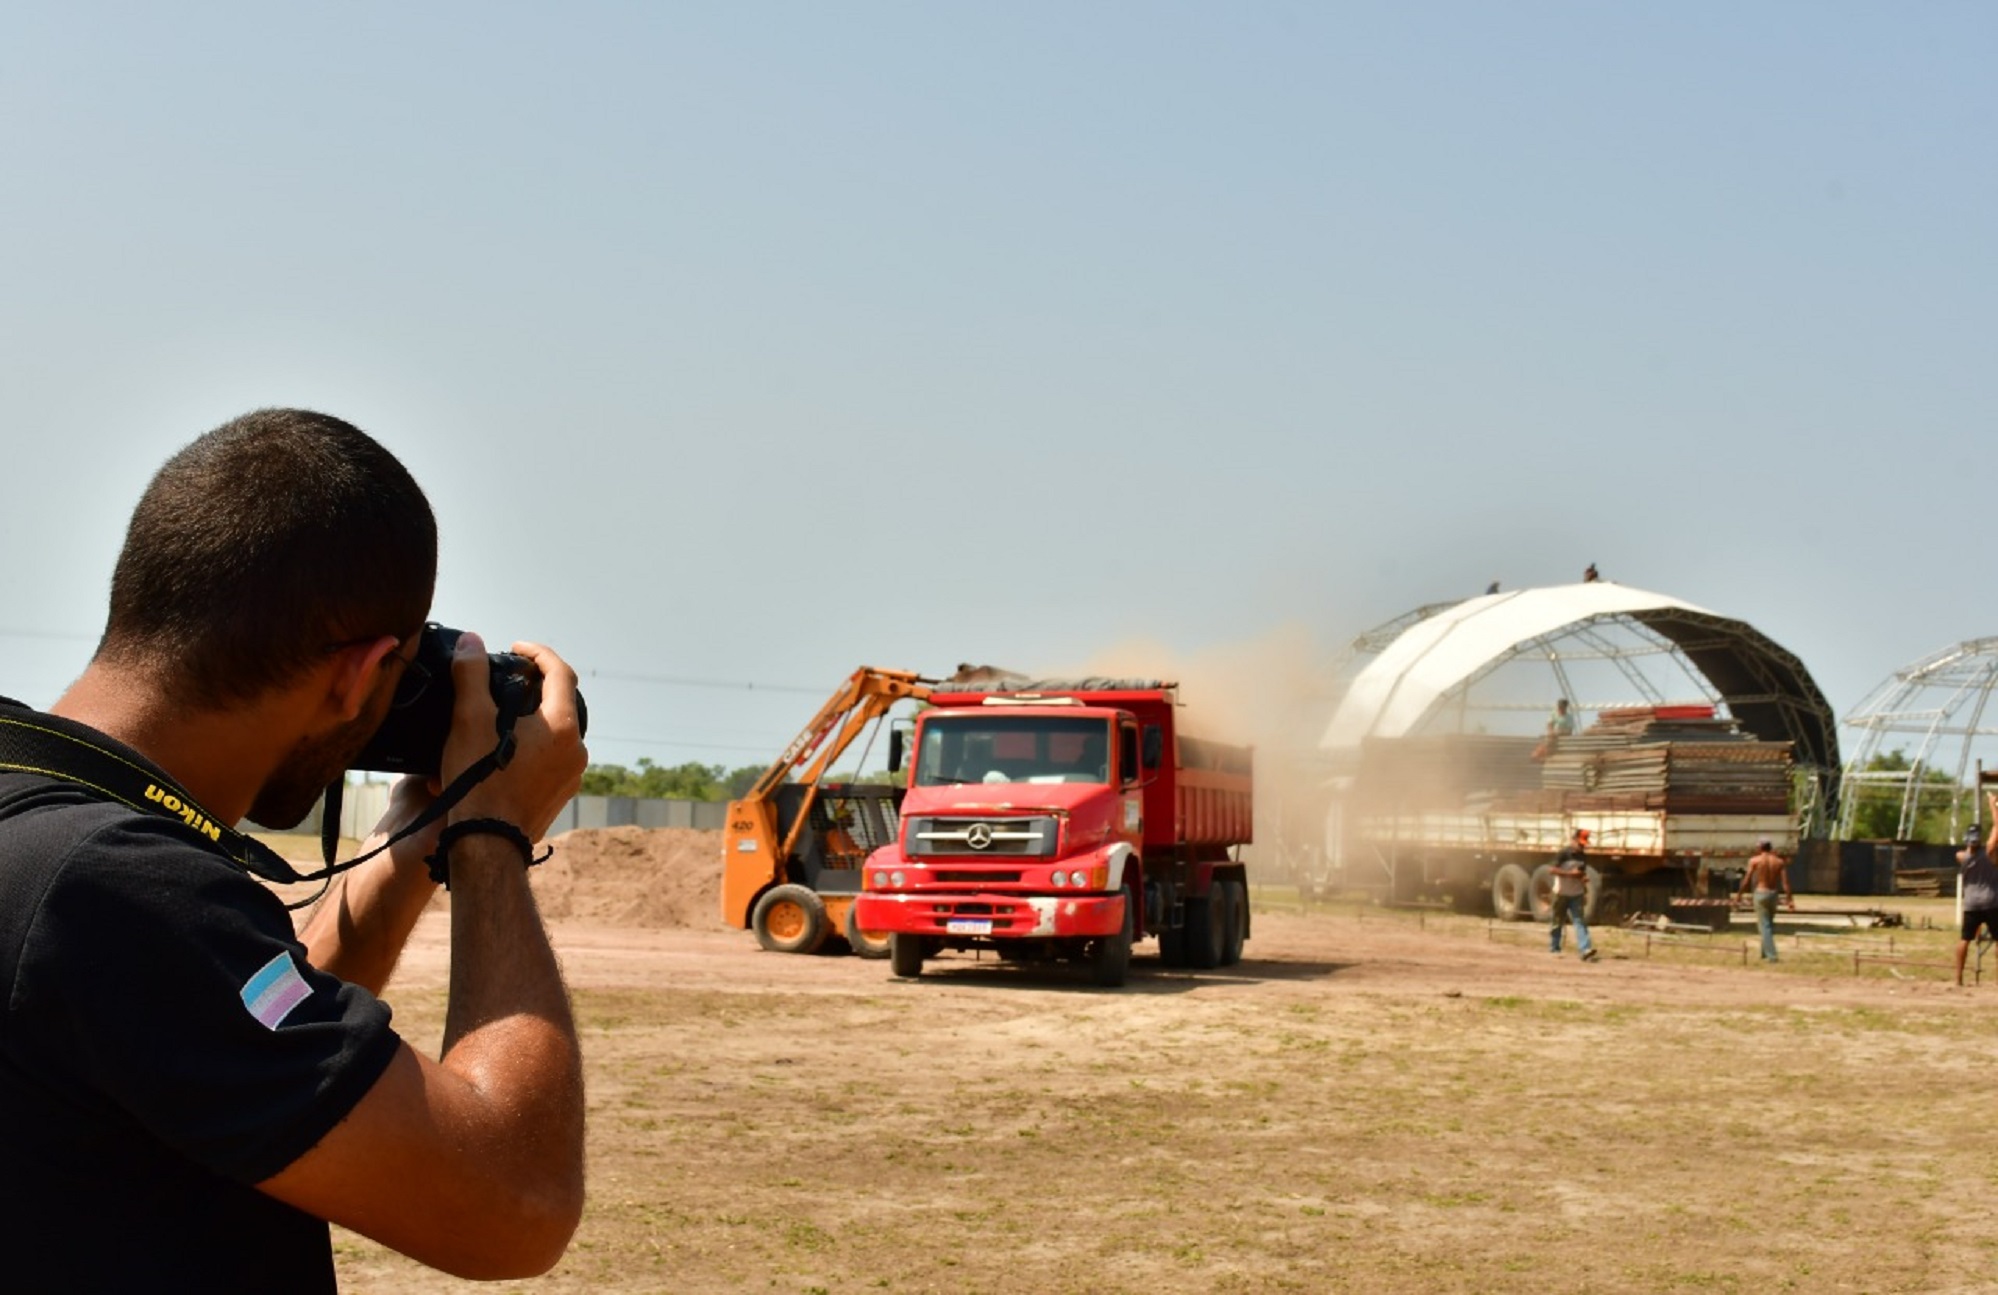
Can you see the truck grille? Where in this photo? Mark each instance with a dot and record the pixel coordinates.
(1034, 837)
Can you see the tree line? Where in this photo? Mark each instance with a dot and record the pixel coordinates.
(690, 781)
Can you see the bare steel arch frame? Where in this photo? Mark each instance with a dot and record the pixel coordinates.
(1936, 711)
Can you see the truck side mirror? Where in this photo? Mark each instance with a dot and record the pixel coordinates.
(1154, 747)
(894, 750)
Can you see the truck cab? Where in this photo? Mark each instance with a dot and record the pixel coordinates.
(1047, 826)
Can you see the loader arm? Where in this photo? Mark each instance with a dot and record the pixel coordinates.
(753, 858)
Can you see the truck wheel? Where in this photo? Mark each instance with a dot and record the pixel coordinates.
(1512, 894)
(905, 955)
(1605, 904)
(1542, 890)
(1203, 930)
(867, 944)
(1110, 960)
(1592, 896)
(790, 919)
(1235, 921)
(1172, 946)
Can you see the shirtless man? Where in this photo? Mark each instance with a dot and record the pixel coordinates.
(1766, 872)
(1977, 883)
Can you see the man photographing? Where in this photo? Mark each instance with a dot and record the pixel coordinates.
(188, 1091)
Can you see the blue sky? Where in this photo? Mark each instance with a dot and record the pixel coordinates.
(740, 344)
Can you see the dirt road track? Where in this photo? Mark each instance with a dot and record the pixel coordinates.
(1364, 1104)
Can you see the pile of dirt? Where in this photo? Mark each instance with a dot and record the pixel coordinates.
(633, 876)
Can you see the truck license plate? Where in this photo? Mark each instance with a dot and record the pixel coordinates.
(969, 926)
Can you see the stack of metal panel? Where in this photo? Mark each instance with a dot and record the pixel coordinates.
(1677, 758)
(1680, 759)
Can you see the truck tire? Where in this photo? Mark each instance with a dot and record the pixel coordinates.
(1512, 893)
(865, 943)
(1541, 887)
(1235, 923)
(1592, 894)
(1203, 930)
(1110, 960)
(905, 955)
(1172, 946)
(790, 919)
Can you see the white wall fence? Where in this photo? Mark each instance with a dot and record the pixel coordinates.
(362, 807)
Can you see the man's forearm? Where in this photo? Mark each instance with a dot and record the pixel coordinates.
(359, 929)
(508, 1030)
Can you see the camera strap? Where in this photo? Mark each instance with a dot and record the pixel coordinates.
(51, 747)
(329, 819)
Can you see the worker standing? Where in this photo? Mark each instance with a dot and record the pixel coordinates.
(1571, 891)
(1977, 886)
(1767, 871)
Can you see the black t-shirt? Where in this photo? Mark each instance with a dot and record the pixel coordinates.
(164, 1046)
(1571, 856)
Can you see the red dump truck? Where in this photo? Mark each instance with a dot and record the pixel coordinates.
(1064, 820)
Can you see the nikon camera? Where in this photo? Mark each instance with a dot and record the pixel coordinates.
(411, 739)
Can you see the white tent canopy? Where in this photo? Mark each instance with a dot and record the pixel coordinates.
(1400, 687)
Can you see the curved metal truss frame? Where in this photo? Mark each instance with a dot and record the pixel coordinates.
(1662, 656)
(1941, 707)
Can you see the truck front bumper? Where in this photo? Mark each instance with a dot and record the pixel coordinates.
(985, 916)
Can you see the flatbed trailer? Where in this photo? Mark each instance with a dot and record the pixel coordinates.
(1501, 862)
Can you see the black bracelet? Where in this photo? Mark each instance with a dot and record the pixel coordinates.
(440, 862)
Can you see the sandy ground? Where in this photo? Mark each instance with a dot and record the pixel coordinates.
(1371, 1101)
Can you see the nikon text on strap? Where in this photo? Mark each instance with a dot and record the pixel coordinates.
(31, 742)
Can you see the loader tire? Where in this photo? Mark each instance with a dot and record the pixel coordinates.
(1512, 893)
(790, 919)
(868, 944)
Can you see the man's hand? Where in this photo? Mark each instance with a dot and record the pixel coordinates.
(549, 757)
(358, 931)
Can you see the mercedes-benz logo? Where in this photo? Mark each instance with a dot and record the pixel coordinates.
(978, 835)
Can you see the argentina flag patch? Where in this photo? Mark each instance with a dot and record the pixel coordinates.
(274, 991)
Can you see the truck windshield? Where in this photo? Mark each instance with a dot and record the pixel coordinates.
(995, 748)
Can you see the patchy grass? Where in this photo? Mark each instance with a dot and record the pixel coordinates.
(1420, 1117)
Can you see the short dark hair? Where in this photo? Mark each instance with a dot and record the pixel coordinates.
(261, 546)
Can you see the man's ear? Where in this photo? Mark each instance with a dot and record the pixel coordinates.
(357, 672)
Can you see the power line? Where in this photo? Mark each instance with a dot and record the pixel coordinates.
(729, 685)
(681, 681)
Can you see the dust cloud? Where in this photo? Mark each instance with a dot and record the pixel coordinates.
(1274, 692)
